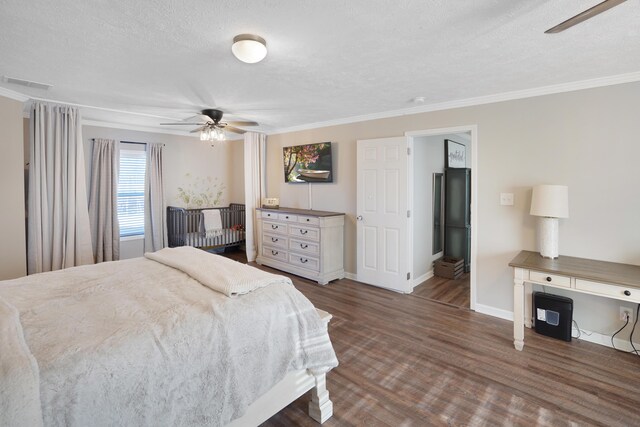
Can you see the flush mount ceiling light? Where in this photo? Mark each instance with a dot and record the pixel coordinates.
(249, 48)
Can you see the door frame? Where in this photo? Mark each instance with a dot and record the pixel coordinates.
(473, 130)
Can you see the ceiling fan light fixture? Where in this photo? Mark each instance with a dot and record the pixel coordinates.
(249, 48)
(212, 134)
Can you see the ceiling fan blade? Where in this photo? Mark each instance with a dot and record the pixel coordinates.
(242, 123)
(583, 16)
(234, 130)
(201, 128)
(198, 118)
(183, 124)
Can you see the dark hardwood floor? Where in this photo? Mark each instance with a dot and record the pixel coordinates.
(406, 360)
(453, 292)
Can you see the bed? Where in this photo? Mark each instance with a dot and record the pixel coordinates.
(178, 337)
(186, 227)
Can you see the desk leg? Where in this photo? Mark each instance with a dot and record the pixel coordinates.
(528, 305)
(518, 308)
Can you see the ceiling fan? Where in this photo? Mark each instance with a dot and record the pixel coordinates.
(583, 16)
(210, 125)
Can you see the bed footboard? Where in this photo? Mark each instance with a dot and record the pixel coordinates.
(294, 385)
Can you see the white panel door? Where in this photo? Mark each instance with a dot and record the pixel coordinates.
(382, 213)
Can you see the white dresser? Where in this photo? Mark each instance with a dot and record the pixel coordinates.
(304, 242)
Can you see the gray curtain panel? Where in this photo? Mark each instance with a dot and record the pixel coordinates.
(103, 200)
(155, 233)
(254, 186)
(58, 233)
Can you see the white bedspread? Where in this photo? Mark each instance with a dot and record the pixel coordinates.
(225, 275)
(139, 343)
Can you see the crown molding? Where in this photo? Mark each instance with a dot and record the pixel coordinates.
(138, 128)
(470, 102)
(17, 96)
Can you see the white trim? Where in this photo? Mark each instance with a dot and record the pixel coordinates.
(473, 129)
(470, 102)
(495, 312)
(426, 276)
(17, 96)
(148, 129)
(602, 339)
(351, 276)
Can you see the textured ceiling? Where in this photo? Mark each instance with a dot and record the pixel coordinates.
(327, 59)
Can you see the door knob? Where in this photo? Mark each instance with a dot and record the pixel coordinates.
(359, 217)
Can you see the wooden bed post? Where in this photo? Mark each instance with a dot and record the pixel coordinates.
(320, 406)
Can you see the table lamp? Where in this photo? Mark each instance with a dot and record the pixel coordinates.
(549, 202)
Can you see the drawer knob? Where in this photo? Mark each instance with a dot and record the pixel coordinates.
(304, 260)
(286, 217)
(303, 246)
(548, 279)
(275, 227)
(274, 252)
(273, 239)
(307, 219)
(303, 231)
(627, 293)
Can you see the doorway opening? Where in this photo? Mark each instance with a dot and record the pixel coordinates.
(442, 187)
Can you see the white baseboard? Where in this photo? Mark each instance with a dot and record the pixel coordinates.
(351, 276)
(426, 276)
(598, 338)
(495, 312)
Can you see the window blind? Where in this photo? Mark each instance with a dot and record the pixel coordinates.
(131, 192)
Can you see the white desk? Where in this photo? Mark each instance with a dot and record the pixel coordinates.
(601, 278)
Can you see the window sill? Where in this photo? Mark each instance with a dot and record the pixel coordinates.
(128, 238)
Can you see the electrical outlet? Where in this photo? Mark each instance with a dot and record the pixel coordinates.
(624, 312)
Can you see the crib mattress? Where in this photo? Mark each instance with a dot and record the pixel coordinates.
(225, 237)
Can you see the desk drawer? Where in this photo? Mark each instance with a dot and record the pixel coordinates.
(272, 215)
(614, 291)
(274, 240)
(309, 220)
(288, 217)
(305, 232)
(274, 227)
(303, 247)
(274, 253)
(304, 261)
(551, 279)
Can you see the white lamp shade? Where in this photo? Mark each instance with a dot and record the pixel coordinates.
(249, 48)
(550, 201)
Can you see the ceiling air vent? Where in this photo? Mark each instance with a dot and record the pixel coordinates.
(26, 83)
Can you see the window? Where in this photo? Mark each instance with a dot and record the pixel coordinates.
(131, 192)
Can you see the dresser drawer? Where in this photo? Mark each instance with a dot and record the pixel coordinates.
(551, 279)
(274, 227)
(288, 217)
(304, 261)
(274, 240)
(618, 292)
(303, 247)
(272, 215)
(304, 232)
(311, 220)
(274, 253)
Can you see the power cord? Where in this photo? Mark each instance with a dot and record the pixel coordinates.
(635, 350)
(617, 332)
(580, 331)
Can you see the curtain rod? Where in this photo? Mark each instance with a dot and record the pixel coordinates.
(131, 142)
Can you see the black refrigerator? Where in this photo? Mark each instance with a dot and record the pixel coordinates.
(457, 214)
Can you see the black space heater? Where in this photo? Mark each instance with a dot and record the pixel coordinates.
(553, 315)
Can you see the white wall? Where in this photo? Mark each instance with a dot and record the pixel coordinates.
(12, 171)
(584, 139)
